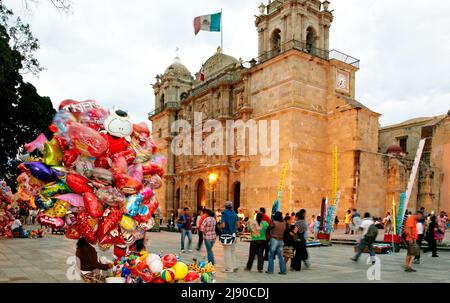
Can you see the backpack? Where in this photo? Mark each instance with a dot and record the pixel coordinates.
(371, 234)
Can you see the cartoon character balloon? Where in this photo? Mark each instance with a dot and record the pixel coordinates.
(118, 124)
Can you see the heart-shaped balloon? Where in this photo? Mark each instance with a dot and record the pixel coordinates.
(70, 156)
(88, 227)
(110, 220)
(92, 205)
(78, 184)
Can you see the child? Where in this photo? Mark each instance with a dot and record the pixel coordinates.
(288, 240)
(317, 227)
(336, 222)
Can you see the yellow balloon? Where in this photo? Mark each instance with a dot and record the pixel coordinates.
(60, 209)
(50, 213)
(53, 154)
(181, 270)
(128, 223)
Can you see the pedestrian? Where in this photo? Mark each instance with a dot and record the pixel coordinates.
(442, 225)
(311, 225)
(266, 218)
(89, 264)
(301, 254)
(208, 228)
(387, 222)
(431, 236)
(229, 224)
(336, 222)
(348, 221)
(185, 222)
(369, 233)
(292, 218)
(288, 240)
(316, 227)
(356, 221)
(17, 228)
(202, 215)
(411, 240)
(420, 236)
(277, 228)
(257, 229)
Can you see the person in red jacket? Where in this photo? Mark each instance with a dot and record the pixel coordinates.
(89, 264)
(266, 218)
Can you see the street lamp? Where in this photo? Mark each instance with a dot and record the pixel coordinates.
(212, 180)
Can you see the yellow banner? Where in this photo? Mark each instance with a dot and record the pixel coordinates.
(394, 216)
(283, 176)
(334, 172)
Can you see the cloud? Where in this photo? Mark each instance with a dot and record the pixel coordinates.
(111, 50)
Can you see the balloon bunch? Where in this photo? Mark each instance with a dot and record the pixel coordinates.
(96, 176)
(6, 195)
(153, 268)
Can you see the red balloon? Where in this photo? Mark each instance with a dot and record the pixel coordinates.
(73, 233)
(111, 219)
(61, 142)
(70, 156)
(51, 222)
(92, 205)
(103, 162)
(158, 280)
(87, 226)
(169, 260)
(128, 185)
(116, 145)
(78, 184)
(53, 128)
(129, 155)
(114, 237)
(120, 166)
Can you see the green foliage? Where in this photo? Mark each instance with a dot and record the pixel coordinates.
(23, 113)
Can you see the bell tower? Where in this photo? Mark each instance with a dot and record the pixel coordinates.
(284, 24)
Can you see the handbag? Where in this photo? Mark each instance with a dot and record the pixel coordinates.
(227, 239)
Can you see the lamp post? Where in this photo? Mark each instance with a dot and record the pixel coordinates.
(212, 180)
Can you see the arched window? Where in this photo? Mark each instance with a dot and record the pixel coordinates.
(183, 96)
(161, 101)
(311, 38)
(275, 42)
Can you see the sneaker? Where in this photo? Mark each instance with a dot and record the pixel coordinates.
(409, 269)
(282, 273)
(183, 251)
(353, 259)
(190, 250)
(268, 272)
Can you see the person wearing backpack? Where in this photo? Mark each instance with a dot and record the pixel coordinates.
(369, 233)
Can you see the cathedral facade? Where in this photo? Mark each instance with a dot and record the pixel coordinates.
(309, 90)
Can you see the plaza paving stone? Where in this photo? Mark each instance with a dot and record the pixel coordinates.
(44, 261)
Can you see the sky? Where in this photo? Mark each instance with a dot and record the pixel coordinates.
(111, 50)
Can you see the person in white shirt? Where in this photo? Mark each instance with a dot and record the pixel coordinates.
(420, 232)
(16, 228)
(364, 226)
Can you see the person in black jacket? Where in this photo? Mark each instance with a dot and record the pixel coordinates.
(432, 228)
(288, 240)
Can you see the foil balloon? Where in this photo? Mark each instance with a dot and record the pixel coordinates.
(114, 237)
(118, 124)
(115, 145)
(146, 193)
(110, 196)
(129, 155)
(142, 143)
(70, 156)
(128, 185)
(55, 188)
(133, 203)
(101, 175)
(86, 140)
(43, 202)
(62, 143)
(70, 219)
(72, 232)
(78, 184)
(78, 108)
(103, 162)
(84, 166)
(55, 223)
(41, 171)
(38, 144)
(53, 155)
(93, 207)
(94, 118)
(73, 199)
(154, 182)
(60, 209)
(61, 121)
(87, 226)
(169, 260)
(120, 166)
(136, 172)
(128, 223)
(110, 220)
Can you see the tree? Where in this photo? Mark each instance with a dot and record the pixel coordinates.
(24, 114)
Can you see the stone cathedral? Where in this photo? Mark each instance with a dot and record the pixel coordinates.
(297, 80)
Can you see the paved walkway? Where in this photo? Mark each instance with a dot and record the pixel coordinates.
(44, 260)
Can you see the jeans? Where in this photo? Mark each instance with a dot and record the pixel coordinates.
(256, 249)
(209, 245)
(200, 240)
(229, 253)
(276, 247)
(184, 233)
(361, 246)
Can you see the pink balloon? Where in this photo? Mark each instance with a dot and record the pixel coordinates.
(73, 199)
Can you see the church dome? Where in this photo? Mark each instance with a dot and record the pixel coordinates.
(177, 69)
(218, 63)
(395, 149)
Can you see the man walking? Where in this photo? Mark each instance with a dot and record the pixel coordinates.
(185, 222)
(369, 233)
(266, 218)
(356, 221)
(420, 235)
(411, 240)
(229, 223)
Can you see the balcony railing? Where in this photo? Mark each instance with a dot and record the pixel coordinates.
(167, 105)
(309, 49)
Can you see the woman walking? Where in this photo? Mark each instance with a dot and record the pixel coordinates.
(277, 228)
(208, 228)
(348, 221)
(442, 225)
(288, 240)
(301, 254)
(257, 229)
(432, 231)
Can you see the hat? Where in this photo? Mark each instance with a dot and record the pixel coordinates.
(228, 204)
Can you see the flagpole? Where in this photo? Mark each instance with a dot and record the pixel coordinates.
(221, 30)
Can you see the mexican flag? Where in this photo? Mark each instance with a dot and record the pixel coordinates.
(210, 23)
